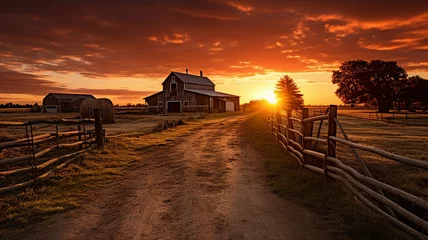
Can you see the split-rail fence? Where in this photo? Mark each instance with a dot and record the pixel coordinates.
(296, 134)
(46, 152)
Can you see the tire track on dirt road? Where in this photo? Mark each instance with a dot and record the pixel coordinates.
(208, 185)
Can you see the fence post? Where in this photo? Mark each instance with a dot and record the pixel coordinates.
(98, 129)
(79, 137)
(278, 123)
(292, 135)
(306, 132)
(331, 148)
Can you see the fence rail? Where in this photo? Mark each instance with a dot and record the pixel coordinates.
(302, 145)
(46, 152)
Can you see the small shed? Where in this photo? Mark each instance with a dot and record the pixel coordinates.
(64, 102)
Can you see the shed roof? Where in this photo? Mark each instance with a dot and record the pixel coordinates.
(194, 79)
(154, 94)
(68, 97)
(210, 93)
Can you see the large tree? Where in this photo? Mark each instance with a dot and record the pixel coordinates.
(416, 90)
(288, 94)
(361, 82)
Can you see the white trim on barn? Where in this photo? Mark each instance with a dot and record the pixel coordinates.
(166, 106)
(52, 108)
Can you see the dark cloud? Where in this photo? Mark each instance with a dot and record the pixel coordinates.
(99, 39)
(13, 82)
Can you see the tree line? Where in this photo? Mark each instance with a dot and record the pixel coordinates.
(380, 83)
(17, 105)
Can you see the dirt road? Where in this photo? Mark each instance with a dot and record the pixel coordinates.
(208, 185)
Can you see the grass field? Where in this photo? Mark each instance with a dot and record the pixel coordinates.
(408, 141)
(345, 217)
(394, 118)
(125, 123)
(402, 139)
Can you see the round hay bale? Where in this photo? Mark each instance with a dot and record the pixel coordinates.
(105, 105)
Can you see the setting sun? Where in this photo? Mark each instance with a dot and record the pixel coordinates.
(269, 95)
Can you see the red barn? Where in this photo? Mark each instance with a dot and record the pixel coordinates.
(183, 92)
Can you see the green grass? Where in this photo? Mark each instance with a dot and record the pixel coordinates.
(343, 216)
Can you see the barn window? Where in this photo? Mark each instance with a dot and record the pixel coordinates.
(186, 103)
(173, 79)
(160, 104)
(173, 91)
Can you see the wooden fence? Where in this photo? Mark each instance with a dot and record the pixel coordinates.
(297, 136)
(40, 155)
(130, 110)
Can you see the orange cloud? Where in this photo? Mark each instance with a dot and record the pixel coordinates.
(243, 8)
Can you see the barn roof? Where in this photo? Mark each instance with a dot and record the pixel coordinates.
(194, 79)
(154, 94)
(210, 93)
(69, 97)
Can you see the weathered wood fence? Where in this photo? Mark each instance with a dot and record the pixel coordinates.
(297, 136)
(46, 152)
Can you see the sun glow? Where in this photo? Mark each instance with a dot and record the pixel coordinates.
(269, 95)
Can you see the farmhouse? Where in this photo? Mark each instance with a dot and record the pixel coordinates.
(64, 102)
(183, 92)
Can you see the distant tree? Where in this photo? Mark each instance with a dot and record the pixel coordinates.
(288, 94)
(255, 105)
(417, 91)
(362, 82)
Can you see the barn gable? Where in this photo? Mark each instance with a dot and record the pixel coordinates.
(190, 79)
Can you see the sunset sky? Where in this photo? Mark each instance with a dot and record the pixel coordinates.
(124, 51)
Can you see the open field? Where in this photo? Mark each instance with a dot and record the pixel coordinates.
(344, 216)
(406, 118)
(408, 141)
(125, 123)
(409, 176)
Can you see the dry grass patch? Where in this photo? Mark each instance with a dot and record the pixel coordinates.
(67, 187)
(71, 185)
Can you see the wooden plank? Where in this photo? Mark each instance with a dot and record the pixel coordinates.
(297, 153)
(316, 118)
(398, 158)
(295, 119)
(394, 206)
(314, 154)
(362, 164)
(5, 123)
(40, 166)
(24, 158)
(22, 141)
(366, 202)
(297, 145)
(307, 128)
(332, 128)
(295, 131)
(316, 139)
(39, 140)
(375, 183)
